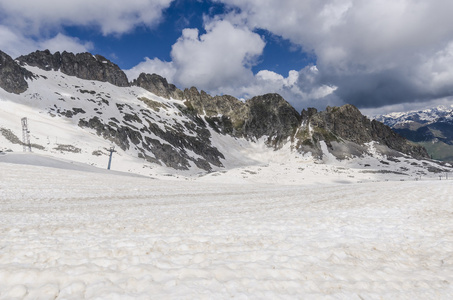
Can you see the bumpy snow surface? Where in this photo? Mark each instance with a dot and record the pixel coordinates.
(68, 234)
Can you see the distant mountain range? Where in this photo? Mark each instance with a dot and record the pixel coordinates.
(81, 104)
(431, 128)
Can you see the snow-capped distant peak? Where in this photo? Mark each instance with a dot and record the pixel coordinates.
(426, 116)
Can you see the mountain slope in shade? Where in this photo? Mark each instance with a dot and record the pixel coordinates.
(159, 129)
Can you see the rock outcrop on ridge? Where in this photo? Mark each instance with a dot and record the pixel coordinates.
(267, 115)
(347, 124)
(12, 76)
(158, 85)
(82, 65)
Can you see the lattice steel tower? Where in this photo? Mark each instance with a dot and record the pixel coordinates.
(25, 135)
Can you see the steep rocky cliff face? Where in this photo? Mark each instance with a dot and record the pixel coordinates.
(270, 115)
(266, 115)
(346, 124)
(158, 85)
(12, 76)
(225, 113)
(82, 65)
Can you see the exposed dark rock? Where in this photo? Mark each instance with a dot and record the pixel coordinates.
(42, 59)
(82, 65)
(68, 148)
(174, 152)
(78, 111)
(10, 136)
(385, 135)
(225, 114)
(306, 114)
(12, 75)
(270, 115)
(346, 123)
(267, 115)
(158, 85)
(154, 105)
(119, 135)
(199, 144)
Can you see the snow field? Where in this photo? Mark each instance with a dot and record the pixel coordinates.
(74, 235)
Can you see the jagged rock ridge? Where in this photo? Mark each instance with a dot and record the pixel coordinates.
(266, 115)
(12, 76)
(82, 65)
(271, 116)
(158, 85)
(346, 123)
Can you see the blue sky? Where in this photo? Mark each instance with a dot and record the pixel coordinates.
(380, 55)
(127, 50)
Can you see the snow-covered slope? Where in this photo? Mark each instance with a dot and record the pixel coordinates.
(79, 120)
(57, 106)
(68, 234)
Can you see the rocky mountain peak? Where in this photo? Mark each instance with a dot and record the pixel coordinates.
(271, 115)
(205, 104)
(12, 76)
(225, 113)
(81, 65)
(266, 115)
(42, 59)
(158, 85)
(347, 124)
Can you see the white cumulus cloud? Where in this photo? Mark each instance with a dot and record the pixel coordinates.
(218, 61)
(219, 58)
(15, 44)
(27, 25)
(111, 16)
(150, 66)
(62, 43)
(302, 88)
(377, 52)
